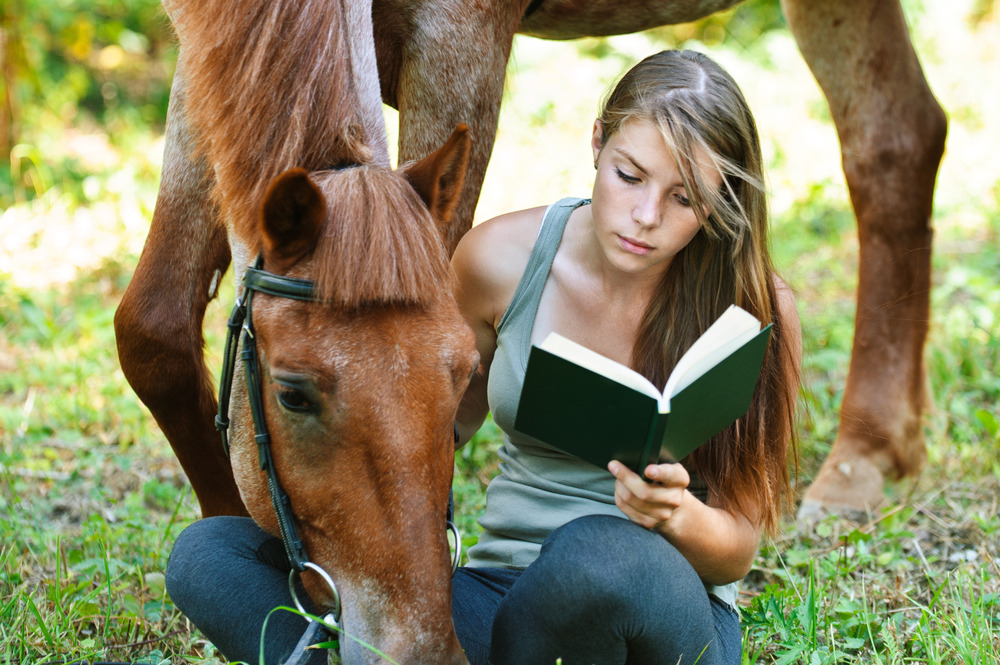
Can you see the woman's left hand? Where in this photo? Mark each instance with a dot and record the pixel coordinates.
(651, 504)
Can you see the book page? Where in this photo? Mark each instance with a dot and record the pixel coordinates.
(730, 331)
(560, 346)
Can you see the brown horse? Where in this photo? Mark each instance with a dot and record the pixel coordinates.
(442, 62)
(275, 111)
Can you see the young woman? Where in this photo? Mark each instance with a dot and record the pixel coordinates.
(577, 562)
(675, 232)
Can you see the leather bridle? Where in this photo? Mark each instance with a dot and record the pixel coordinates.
(241, 331)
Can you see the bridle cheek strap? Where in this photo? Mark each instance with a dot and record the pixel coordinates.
(240, 331)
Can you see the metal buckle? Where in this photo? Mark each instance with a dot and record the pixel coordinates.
(333, 617)
(456, 558)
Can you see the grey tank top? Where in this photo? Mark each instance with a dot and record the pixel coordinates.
(539, 487)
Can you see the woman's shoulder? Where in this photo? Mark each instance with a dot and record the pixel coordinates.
(492, 255)
(517, 230)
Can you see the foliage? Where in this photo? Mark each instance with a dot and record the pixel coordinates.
(76, 64)
(740, 27)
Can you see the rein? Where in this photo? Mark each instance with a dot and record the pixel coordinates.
(241, 331)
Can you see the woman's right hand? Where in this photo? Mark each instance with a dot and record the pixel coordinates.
(651, 504)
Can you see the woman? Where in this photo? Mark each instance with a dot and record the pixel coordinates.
(674, 234)
(577, 562)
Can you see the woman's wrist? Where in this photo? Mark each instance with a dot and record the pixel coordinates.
(720, 545)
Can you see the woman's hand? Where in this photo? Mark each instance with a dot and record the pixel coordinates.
(651, 504)
(719, 544)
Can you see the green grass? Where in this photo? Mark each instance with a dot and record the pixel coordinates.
(91, 498)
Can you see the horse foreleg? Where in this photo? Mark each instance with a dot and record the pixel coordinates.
(158, 324)
(441, 72)
(892, 134)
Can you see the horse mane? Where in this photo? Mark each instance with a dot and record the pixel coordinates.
(268, 88)
(379, 245)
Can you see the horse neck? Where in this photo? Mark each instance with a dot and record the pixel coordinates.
(277, 84)
(364, 75)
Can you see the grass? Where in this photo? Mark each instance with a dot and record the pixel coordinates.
(91, 497)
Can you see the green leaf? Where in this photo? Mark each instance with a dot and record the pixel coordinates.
(790, 656)
(853, 643)
(989, 421)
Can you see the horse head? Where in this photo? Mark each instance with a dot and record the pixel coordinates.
(359, 388)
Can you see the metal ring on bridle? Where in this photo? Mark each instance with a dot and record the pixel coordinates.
(456, 558)
(335, 612)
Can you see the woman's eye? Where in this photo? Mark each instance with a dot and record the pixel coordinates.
(626, 177)
(683, 200)
(294, 400)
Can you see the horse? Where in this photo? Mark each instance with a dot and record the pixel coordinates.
(441, 62)
(341, 418)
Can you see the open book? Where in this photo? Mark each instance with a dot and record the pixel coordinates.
(600, 410)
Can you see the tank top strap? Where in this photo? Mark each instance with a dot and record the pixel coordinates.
(524, 304)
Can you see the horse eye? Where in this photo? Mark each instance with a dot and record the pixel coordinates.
(294, 400)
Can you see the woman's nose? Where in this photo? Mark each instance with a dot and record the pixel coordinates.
(646, 211)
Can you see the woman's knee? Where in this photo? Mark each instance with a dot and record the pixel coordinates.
(608, 582)
(183, 565)
(615, 555)
(207, 549)
(601, 534)
(600, 562)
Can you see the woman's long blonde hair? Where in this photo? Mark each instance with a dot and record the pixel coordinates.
(700, 110)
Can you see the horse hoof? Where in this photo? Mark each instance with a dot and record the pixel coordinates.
(852, 490)
(811, 513)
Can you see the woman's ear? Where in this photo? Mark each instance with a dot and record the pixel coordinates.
(597, 140)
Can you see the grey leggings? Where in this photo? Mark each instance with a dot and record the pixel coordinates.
(603, 590)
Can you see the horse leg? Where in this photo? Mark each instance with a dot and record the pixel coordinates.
(158, 325)
(892, 134)
(441, 73)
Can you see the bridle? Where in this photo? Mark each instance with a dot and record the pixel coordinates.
(241, 332)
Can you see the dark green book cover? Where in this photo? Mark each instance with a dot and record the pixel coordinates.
(598, 419)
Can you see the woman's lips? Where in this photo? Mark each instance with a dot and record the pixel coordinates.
(634, 246)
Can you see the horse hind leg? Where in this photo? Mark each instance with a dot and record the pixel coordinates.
(892, 134)
(158, 324)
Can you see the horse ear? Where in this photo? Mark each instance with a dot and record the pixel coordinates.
(438, 177)
(290, 219)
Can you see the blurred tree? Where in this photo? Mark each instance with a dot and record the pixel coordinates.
(78, 63)
(983, 10)
(740, 26)
(11, 61)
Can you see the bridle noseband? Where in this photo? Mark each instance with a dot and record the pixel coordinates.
(241, 331)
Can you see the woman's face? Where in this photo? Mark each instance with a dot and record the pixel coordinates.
(642, 214)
